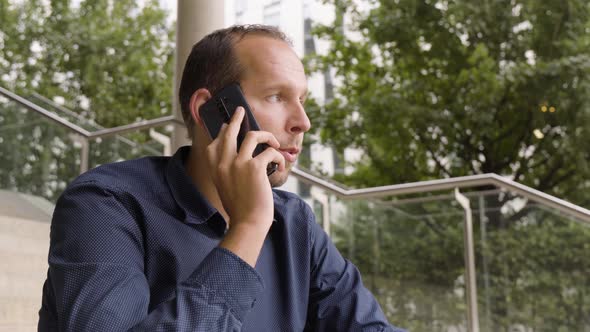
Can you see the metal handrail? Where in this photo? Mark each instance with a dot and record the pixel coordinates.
(390, 190)
(446, 184)
(82, 119)
(67, 111)
(84, 135)
(49, 115)
(144, 124)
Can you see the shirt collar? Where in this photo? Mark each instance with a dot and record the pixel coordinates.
(186, 195)
(195, 206)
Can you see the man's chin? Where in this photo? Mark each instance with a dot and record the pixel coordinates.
(278, 178)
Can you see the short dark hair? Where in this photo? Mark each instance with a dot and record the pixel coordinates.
(212, 63)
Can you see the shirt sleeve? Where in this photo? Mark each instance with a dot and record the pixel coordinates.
(96, 281)
(338, 299)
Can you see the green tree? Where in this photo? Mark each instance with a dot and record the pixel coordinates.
(109, 61)
(435, 89)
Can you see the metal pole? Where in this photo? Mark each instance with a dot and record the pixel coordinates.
(483, 220)
(327, 214)
(83, 154)
(470, 284)
(445, 184)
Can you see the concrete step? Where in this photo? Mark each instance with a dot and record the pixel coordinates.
(24, 245)
(25, 206)
(21, 315)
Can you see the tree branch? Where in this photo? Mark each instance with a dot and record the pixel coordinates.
(546, 181)
(436, 160)
(562, 178)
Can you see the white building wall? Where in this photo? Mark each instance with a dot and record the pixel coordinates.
(289, 16)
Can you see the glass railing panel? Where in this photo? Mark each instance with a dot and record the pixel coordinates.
(532, 266)
(37, 156)
(409, 252)
(81, 120)
(126, 146)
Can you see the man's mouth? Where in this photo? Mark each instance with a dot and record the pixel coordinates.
(290, 154)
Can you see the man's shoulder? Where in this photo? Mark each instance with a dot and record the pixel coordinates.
(138, 175)
(288, 199)
(290, 206)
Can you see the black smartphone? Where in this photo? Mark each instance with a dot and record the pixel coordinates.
(221, 107)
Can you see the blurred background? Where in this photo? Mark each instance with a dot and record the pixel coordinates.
(489, 97)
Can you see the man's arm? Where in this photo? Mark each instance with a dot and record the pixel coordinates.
(338, 299)
(96, 275)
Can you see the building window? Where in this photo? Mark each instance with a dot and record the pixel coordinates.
(308, 42)
(241, 7)
(272, 13)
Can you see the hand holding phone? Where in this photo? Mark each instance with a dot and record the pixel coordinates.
(221, 107)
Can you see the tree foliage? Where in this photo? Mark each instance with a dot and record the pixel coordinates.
(433, 89)
(110, 60)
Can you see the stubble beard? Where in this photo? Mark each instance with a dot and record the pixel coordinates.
(277, 179)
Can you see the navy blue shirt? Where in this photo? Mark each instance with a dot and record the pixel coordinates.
(134, 246)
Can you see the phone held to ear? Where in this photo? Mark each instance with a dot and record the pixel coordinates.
(221, 107)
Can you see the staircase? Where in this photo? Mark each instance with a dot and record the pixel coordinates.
(24, 240)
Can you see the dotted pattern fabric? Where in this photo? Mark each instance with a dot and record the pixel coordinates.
(134, 247)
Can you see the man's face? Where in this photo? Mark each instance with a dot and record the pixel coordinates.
(275, 87)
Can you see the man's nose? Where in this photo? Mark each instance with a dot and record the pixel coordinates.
(298, 120)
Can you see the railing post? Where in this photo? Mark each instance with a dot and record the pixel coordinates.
(484, 245)
(84, 154)
(84, 149)
(327, 216)
(470, 284)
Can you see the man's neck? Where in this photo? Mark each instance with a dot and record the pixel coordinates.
(200, 173)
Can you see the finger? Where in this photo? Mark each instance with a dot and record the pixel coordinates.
(220, 135)
(229, 140)
(222, 130)
(252, 139)
(214, 147)
(271, 155)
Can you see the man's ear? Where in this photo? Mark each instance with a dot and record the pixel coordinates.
(198, 98)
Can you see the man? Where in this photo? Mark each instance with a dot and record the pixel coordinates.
(200, 241)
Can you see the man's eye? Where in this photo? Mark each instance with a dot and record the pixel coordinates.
(274, 98)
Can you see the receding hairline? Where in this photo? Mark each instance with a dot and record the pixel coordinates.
(254, 35)
(237, 51)
(252, 31)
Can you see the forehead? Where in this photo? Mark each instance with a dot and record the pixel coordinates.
(266, 60)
